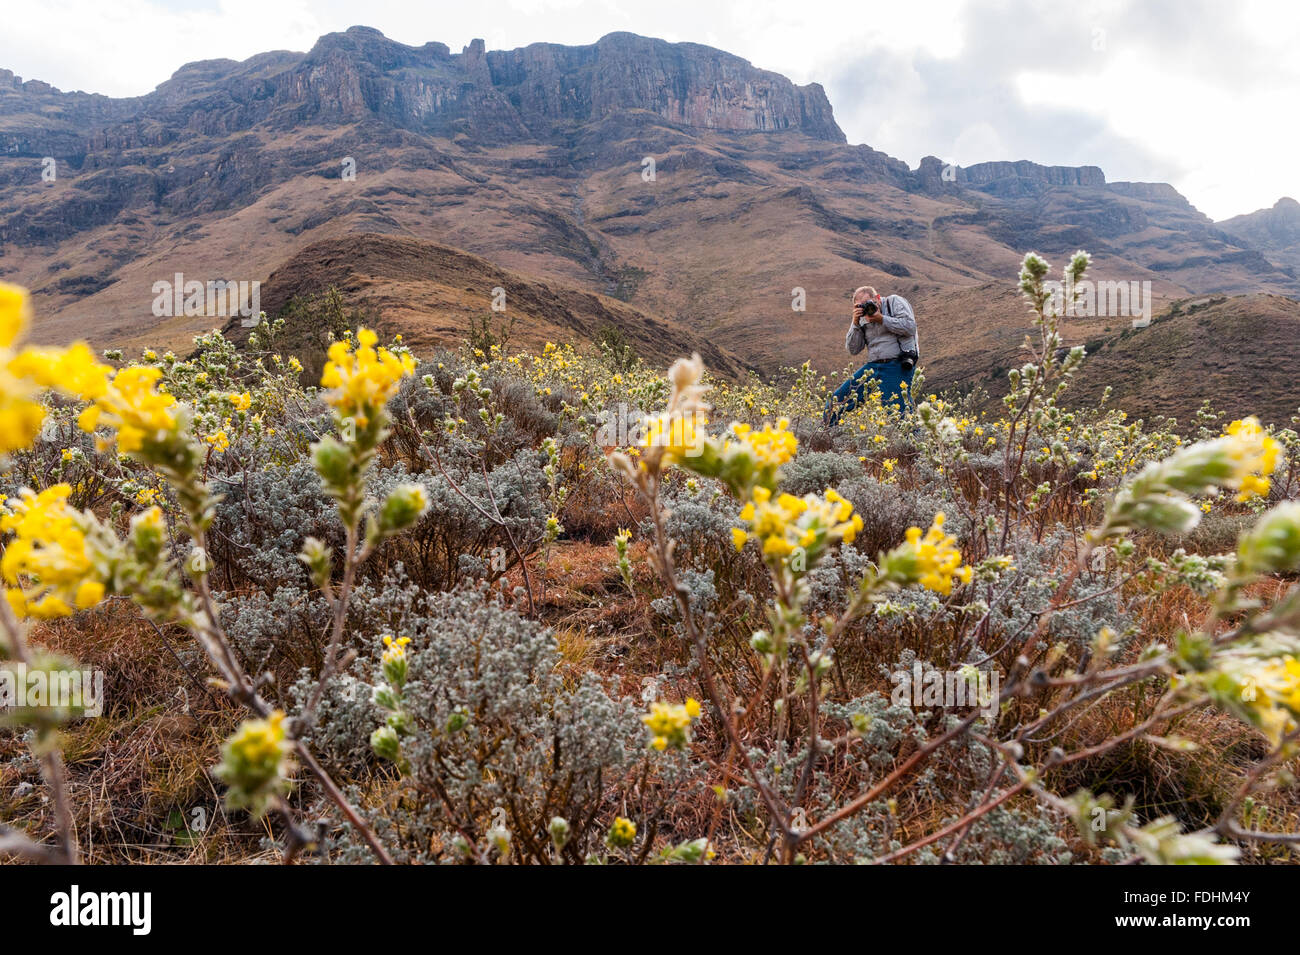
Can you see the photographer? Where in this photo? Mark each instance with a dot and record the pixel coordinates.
(887, 329)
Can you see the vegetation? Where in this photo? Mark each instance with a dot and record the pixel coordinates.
(561, 608)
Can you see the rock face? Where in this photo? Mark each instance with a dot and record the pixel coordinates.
(537, 92)
(553, 86)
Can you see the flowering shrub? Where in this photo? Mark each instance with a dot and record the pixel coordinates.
(563, 608)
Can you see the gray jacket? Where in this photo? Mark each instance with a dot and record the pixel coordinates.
(885, 340)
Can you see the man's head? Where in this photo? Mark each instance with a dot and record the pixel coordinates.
(866, 301)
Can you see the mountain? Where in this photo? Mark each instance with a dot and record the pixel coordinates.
(707, 194)
(1274, 231)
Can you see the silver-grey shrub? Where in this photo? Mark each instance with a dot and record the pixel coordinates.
(497, 736)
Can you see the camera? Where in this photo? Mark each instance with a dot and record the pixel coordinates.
(869, 307)
(908, 359)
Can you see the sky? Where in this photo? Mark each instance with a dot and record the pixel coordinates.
(1199, 93)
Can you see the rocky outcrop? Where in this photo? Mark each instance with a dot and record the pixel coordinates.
(1011, 179)
(1150, 192)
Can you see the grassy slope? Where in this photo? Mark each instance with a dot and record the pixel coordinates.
(1238, 352)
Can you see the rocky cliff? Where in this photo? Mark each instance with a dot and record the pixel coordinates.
(537, 92)
(684, 83)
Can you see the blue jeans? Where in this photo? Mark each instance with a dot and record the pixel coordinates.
(889, 376)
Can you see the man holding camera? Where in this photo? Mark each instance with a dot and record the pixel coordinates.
(886, 327)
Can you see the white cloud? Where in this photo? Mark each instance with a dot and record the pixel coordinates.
(1196, 93)
(1230, 149)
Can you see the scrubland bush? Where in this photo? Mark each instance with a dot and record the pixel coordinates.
(561, 608)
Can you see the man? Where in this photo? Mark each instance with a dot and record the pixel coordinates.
(886, 327)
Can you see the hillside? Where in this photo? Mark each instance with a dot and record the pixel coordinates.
(1239, 352)
(430, 293)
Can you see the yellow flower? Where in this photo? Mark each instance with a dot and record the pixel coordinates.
(360, 383)
(770, 447)
(1254, 455)
(89, 593)
(15, 314)
(670, 723)
(254, 763)
(621, 834)
(395, 649)
(24, 374)
(810, 524)
(676, 434)
(933, 560)
(1267, 693)
(132, 406)
(50, 549)
(73, 370)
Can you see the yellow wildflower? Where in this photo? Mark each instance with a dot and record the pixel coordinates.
(360, 383)
(810, 523)
(50, 549)
(132, 405)
(675, 434)
(771, 447)
(23, 374)
(253, 762)
(935, 558)
(670, 723)
(1254, 455)
(621, 834)
(1267, 693)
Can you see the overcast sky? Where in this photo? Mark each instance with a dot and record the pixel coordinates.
(1199, 93)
